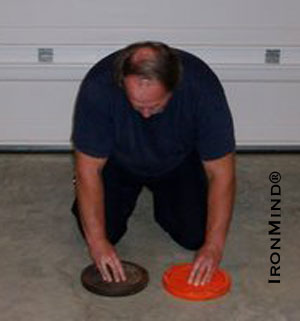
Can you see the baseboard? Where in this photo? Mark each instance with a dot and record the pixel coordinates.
(68, 148)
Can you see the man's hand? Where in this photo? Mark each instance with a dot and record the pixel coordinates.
(107, 261)
(207, 259)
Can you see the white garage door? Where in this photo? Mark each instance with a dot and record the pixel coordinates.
(37, 99)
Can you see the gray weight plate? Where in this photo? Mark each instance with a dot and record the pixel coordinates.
(137, 280)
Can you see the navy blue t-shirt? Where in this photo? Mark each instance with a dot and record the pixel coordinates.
(197, 117)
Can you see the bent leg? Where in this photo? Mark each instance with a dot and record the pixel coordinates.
(121, 193)
(180, 203)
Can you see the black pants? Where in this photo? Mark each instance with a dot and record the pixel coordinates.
(180, 201)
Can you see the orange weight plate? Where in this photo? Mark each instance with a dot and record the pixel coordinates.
(175, 282)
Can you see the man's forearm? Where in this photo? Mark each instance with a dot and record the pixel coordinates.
(90, 194)
(220, 206)
(221, 192)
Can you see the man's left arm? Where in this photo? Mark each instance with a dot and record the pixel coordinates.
(221, 192)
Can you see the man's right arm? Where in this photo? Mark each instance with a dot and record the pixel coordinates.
(90, 195)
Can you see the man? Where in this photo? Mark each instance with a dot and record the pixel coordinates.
(154, 116)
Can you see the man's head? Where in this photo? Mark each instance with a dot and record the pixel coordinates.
(149, 72)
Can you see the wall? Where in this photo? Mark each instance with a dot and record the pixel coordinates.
(36, 99)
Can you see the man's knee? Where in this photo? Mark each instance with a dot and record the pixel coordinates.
(189, 242)
(114, 233)
(75, 211)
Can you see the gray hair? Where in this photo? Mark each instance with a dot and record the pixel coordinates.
(163, 66)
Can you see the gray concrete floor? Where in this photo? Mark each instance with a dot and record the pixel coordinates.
(42, 253)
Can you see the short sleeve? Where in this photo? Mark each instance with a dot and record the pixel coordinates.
(92, 123)
(215, 132)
